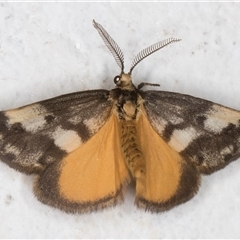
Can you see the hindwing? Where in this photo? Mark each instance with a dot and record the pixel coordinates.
(169, 179)
(90, 178)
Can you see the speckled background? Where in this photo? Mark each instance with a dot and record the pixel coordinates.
(48, 49)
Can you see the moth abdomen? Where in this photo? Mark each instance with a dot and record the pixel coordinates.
(131, 149)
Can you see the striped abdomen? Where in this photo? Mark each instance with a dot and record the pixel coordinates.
(131, 148)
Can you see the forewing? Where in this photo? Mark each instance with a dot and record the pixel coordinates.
(33, 136)
(202, 132)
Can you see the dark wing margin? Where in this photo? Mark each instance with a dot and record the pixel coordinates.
(203, 133)
(33, 136)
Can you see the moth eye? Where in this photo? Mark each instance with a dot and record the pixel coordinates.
(117, 79)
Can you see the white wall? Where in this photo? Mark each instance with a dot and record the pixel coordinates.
(48, 49)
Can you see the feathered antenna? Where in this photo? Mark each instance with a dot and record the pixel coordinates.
(149, 50)
(111, 44)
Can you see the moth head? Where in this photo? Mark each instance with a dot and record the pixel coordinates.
(125, 80)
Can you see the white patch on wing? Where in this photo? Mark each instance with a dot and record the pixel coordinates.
(67, 140)
(220, 117)
(176, 120)
(1, 136)
(11, 149)
(93, 124)
(75, 119)
(180, 139)
(34, 125)
(227, 150)
(31, 117)
(159, 125)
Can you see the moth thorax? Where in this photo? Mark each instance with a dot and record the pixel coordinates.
(131, 149)
(125, 82)
(130, 110)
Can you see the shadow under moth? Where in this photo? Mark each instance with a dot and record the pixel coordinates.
(85, 147)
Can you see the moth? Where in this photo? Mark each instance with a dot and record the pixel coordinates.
(85, 147)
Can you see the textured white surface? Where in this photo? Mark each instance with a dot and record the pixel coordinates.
(48, 49)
